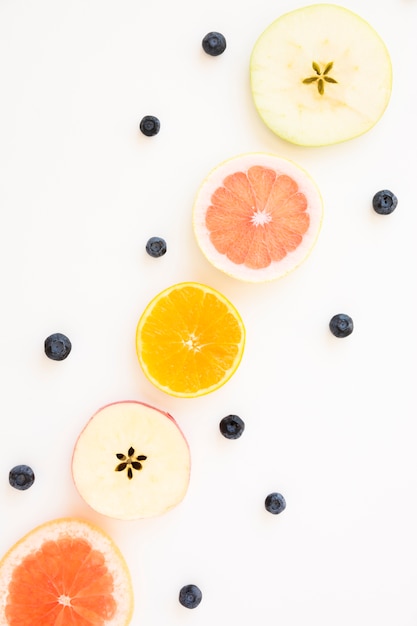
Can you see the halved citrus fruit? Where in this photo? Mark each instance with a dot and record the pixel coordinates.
(65, 572)
(257, 216)
(189, 340)
(131, 461)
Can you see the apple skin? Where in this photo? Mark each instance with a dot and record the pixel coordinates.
(135, 513)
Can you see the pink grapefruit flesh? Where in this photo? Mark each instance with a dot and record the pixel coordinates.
(65, 572)
(257, 216)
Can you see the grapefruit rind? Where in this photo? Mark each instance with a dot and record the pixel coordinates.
(283, 55)
(159, 487)
(280, 165)
(64, 528)
(198, 391)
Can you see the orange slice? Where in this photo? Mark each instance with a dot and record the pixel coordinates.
(189, 340)
(257, 216)
(66, 572)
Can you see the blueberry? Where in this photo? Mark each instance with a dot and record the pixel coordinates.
(341, 325)
(214, 44)
(156, 246)
(384, 202)
(232, 427)
(275, 503)
(57, 347)
(21, 477)
(190, 596)
(150, 125)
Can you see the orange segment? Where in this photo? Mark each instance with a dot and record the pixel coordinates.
(257, 216)
(65, 572)
(189, 340)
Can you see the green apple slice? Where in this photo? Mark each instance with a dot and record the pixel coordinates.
(131, 461)
(320, 75)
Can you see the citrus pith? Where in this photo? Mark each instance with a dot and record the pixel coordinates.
(257, 216)
(189, 340)
(66, 571)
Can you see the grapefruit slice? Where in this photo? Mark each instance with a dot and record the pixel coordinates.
(131, 461)
(65, 572)
(257, 216)
(189, 340)
(320, 75)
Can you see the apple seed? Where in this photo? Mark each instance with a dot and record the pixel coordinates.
(128, 461)
(320, 77)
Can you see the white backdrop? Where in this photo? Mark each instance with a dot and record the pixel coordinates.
(329, 423)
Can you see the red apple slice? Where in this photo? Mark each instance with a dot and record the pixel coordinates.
(131, 461)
